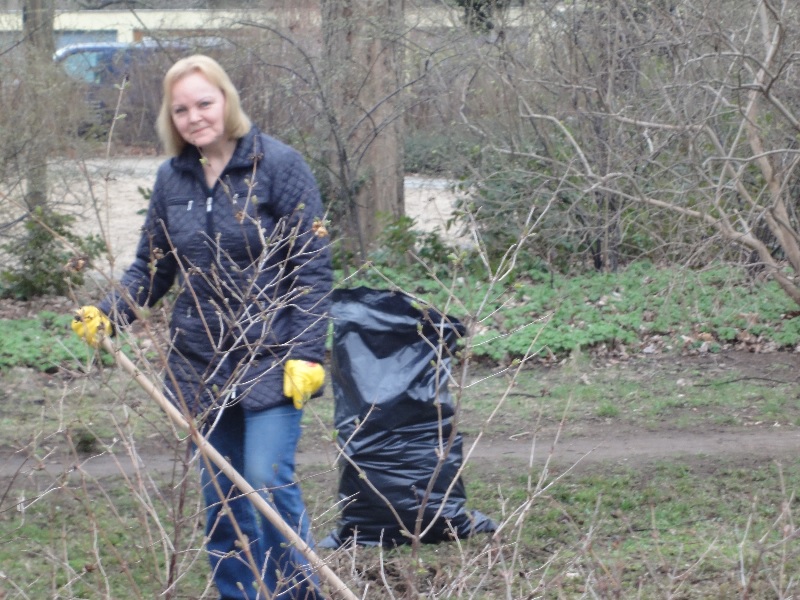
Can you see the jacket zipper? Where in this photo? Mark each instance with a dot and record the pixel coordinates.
(209, 219)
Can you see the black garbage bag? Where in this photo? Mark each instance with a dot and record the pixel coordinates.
(394, 417)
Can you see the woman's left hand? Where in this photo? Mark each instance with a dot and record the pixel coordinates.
(301, 379)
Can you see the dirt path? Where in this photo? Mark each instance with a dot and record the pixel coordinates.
(623, 447)
(637, 448)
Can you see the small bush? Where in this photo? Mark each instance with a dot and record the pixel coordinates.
(40, 258)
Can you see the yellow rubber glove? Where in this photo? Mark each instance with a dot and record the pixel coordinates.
(92, 325)
(301, 379)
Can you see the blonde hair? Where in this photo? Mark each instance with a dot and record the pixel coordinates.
(236, 122)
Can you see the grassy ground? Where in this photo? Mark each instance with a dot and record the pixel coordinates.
(708, 522)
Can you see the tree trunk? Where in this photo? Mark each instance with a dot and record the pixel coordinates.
(37, 25)
(364, 109)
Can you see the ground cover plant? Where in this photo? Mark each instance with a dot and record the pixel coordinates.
(642, 308)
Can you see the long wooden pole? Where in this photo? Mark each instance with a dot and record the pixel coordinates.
(324, 571)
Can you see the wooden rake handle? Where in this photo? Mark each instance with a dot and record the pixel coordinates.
(324, 571)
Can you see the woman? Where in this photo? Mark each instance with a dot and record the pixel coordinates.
(236, 219)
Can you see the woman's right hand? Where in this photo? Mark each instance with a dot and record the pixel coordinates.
(91, 325)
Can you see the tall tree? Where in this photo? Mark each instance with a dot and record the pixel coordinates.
(37, 26)
(364, 54)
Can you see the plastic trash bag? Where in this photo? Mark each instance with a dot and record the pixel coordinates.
(394, 416)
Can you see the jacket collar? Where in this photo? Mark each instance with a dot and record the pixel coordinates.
(248, 149)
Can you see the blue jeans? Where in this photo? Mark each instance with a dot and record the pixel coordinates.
(261, 447)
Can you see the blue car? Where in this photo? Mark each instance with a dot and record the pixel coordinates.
(100, 63)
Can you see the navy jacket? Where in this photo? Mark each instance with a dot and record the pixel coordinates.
(253, 268)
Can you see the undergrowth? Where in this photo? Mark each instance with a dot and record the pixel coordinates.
(642, 309)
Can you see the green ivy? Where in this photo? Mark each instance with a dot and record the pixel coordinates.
(629, 308)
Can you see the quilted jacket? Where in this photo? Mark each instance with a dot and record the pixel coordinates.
(252, 266)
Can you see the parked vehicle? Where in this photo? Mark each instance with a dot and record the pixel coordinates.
(121, 82)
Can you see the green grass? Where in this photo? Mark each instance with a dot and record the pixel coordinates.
(642, 307)
(71, 408)
(630, 525)
(42, 343)
(628, 533)
(641, 392)
(86, 539)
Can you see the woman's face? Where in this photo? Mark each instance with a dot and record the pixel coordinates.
(198, 111)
